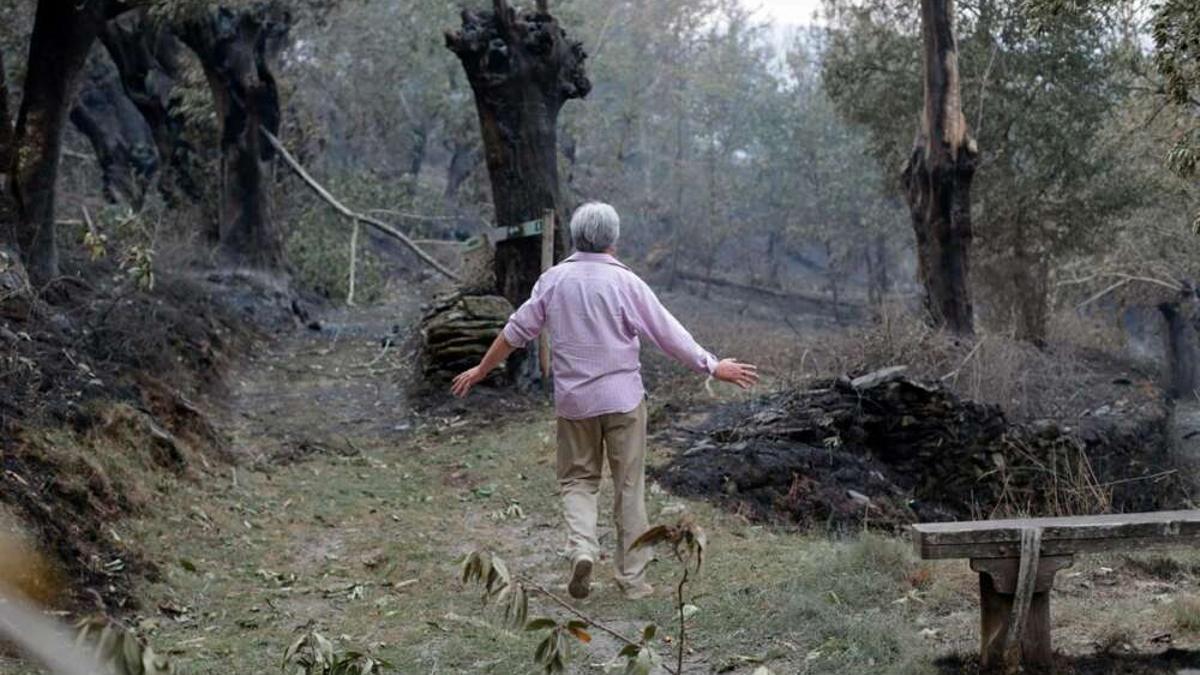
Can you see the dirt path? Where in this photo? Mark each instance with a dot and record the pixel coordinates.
(349, 514)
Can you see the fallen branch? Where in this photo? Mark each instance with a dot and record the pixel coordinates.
(353, 215)
(786, 295)
(410, 216)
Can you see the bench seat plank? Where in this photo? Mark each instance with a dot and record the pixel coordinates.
(1060, 535)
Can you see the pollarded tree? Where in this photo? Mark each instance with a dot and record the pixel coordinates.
(63, 34)
(149, 60)
(522, 68)
(237, 48)
(122, 139)
(14, 284)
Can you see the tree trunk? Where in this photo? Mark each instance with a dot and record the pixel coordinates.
(236, 48)
(882, 279)
(1031, 293)
(874, 297)
(148, 58)
(1182, 344)
(15, 293)
(773, 264)
(464, 157)
(123, 142)
(522, 69)
(937, 178)
(8, 232)
(63, 33)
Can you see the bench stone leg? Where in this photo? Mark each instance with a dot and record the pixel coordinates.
(997, 587)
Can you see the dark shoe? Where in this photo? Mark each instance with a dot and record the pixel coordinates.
(581, 578)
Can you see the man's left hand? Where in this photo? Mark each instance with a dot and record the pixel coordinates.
(467, 379)
(733, 371)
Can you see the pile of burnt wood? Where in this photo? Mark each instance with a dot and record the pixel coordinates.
(884, 449)
(456, 331)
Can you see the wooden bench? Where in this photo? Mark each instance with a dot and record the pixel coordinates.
(1017, 560)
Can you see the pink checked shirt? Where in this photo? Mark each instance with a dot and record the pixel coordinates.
(595, 309)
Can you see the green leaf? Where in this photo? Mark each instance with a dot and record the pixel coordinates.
(649, 632)
(540, 624)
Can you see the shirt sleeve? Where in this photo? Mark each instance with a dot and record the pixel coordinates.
(655, 323)
(526, 323)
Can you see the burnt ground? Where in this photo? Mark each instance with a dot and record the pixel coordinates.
(103, 388)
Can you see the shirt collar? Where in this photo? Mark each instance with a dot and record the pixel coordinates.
(582, 256)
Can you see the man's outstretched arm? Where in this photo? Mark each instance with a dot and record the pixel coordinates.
(654, 322)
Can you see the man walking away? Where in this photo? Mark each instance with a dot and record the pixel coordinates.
(597, 310)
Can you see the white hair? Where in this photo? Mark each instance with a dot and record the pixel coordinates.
(595, 227)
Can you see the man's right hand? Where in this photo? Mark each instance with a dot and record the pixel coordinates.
(467, 379)
(743, 375)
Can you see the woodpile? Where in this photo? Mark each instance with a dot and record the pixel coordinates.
(887, 450)
(457, 330)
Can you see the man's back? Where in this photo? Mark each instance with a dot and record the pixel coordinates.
(595, 309)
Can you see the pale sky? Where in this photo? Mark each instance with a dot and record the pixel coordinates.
(793, 12)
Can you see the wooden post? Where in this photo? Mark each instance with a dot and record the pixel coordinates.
(353, 263)
(998, 586)
(549, 223)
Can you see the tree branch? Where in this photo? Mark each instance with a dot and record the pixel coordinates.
(355, 216)
(530, 584)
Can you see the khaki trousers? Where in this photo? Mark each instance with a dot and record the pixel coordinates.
(582, 445)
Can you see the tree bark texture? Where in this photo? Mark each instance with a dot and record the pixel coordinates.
(8, 232)
(121, 138)
(1031, 296)
(522, 68)
(1182, 335)
(148, 58)
(63, 34)
(937, 178)
(236, 49)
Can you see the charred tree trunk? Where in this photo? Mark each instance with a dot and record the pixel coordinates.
(1182, 343)
(1031, 295)
(937, 178)
(63, 34)
(464, 157)
(120, 136)
(522, 69)
(14, 284)
(8, 232)
(881, 278)
(236, 49)
(148, 57)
